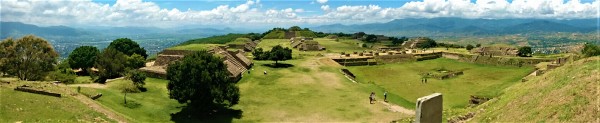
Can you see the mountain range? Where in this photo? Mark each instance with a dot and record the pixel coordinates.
(461, 26)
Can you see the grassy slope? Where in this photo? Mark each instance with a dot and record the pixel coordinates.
(154, 104)
(343, 45)
(221, 39)
(27, 107)
(566, 94)
(403, 79)
(194, 47)
(275, 35)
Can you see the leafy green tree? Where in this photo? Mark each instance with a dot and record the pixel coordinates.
(6, 53)
(137, 77)
(359, 35)
(128, 47)
(83, 57)
(469, 47)
(398, 41)
(28, 58)
(135, 61)
(259, 54)
(428, 43)
(110, 64)
(590, 50)
(279, 53)
(64, 73)
(478, 45)
(524, 51)
(371, 38)
(202, 81)
(295, 28)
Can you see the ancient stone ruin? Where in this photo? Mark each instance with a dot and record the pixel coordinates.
(429, 109)
(305, 44)
(495, 51)
(236, 62)
(26, 88)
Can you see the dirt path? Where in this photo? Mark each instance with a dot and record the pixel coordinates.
(396, 108)
(90, 103)
(91, 85)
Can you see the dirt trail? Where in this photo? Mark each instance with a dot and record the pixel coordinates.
(90, 103)
(396, 108)
(91, 85)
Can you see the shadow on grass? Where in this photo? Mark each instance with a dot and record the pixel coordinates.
(278, 65)
(190, 115)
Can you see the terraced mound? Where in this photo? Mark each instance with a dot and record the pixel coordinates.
(566, 94)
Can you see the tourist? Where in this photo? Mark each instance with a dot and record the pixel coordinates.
(385, 96)
(372, 97)
(265, 72)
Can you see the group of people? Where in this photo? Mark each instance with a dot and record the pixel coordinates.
(372, 97)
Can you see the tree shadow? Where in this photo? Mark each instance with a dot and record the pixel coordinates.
(278, 65)
(191, 115)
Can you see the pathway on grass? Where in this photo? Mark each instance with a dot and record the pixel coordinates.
(91, 85)
(95, 106)
(90, 103)
(396, 108)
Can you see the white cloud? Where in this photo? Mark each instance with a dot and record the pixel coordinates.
(139, 13)
(325, 7)
(322, 1)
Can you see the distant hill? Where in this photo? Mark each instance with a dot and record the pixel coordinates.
(460, 26)
(206, 30)
(18, 28)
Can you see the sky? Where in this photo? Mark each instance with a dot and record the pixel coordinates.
(264, 13)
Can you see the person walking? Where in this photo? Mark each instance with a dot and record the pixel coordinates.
(385, 96)
(372, 97)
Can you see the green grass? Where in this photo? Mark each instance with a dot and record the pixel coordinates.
(565, 94)
(83, 80)
(194, 47)
(307, 92)
(403, 79)
(153, 105)
(240, 41)
(343, 45)
(275, 35)
(221, 39)
(27, 107)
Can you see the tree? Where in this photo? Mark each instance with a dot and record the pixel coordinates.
(128, 47)
(279, 53)
(371, 38)
(524, 51)
(83, 57)
(29, 57)
(469, 47)
(110, 64)
(398, 41)
(427, 43)
(135, 61)
(259, 54)
(137, 77)
(295, 28)
(590, 50)
(359, 35)
(202, 81)
(478, 45)
(6, 53)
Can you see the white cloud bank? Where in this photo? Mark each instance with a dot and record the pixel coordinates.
(139, 13)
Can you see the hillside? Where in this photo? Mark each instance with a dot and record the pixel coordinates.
(461, 26)
(18, 28)
(566, 94)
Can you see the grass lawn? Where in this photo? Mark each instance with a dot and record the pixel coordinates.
(153, 105)
(27, 107)
(310, 91)
(403, 79)
(194, 47)
(83, 80)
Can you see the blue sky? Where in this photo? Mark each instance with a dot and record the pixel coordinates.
(248, 13)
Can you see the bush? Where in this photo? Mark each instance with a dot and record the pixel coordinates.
(590, 50)
(469, 47)
(137, 77)
(67, 78)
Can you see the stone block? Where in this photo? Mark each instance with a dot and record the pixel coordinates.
(429, 109)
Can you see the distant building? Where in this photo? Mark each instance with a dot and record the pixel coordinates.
(306, 44)
(236, 62)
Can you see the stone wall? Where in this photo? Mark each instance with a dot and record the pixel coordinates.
(35, 91)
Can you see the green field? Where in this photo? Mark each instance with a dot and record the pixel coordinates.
(403, 79)
(17, 106)
(153, 105)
